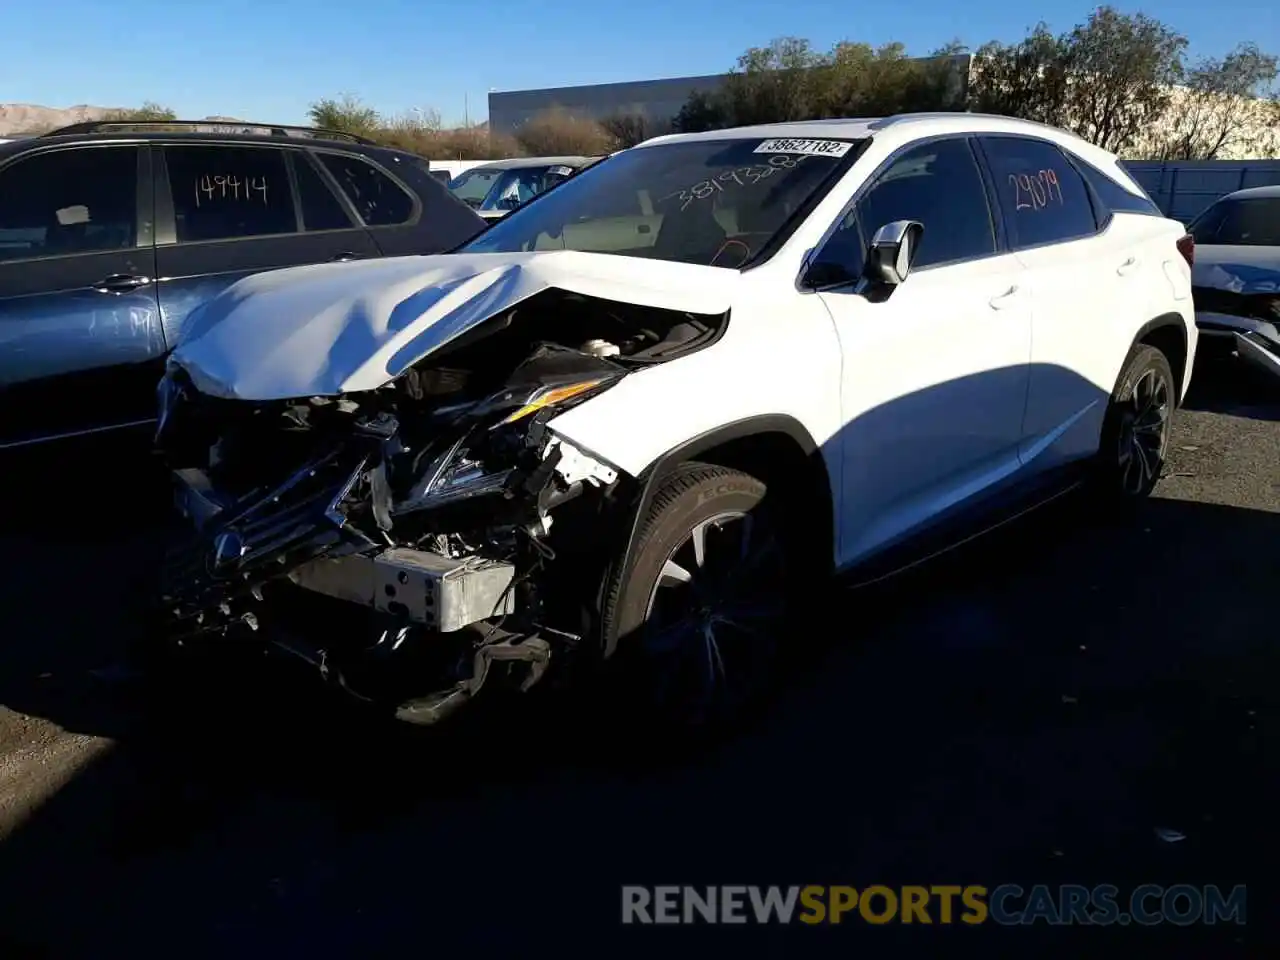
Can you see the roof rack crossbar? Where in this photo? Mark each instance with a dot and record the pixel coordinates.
(275, 129)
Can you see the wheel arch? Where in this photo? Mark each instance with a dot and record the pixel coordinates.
(775, 448)
(1168, 334)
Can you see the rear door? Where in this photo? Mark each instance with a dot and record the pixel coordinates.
(1085, 296)
(224, 211)
(386, 207)
(80, 332)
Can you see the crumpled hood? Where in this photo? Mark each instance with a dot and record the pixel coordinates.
(344, 327)
(1238, 287)
(1237, 269)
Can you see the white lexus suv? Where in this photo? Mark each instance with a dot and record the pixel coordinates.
(622, 431)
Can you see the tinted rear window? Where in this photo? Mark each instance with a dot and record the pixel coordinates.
(1044, 196)
(1251, 222)
(380, 201)
(1114, 196)
(320, 208)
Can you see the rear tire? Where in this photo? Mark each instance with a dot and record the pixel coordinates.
(1135, 432)
(695, 619)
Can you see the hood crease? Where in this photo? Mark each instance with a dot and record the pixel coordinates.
(346, 327)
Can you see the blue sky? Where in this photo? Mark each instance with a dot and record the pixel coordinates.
(268, 59)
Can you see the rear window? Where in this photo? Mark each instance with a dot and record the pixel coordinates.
(1244, 222)
(1114, 196)
(474, 185)
(379, 200)
(518, 186)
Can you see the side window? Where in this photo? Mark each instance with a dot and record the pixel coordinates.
(320, 208)
(69, 201)
(1204, 228)
(1044, 198)
(1250, 222)
(1114, 196)
(224, 193)
(841, 258)
(938, 184)
(380, 201)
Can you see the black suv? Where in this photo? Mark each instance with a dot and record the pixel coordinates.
(112, 233)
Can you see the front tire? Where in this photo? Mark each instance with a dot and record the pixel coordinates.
(1135, 432)
(694, 619)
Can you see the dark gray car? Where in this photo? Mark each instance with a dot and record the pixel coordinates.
(111, 234)
(1236, 278)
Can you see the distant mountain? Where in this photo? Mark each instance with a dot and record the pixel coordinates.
(28, 117)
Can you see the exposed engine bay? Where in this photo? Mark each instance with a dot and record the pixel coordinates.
(407, 541)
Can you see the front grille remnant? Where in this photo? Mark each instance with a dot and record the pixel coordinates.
(262, 535)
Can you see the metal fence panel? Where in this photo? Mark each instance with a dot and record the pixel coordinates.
(1184, 188)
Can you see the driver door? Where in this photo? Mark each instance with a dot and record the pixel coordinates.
(935, 373)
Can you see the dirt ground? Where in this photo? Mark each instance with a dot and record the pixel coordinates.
(1033, 709)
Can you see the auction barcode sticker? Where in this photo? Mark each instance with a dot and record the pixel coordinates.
(812, 148)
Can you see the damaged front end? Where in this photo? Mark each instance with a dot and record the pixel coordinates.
(401, 540)
(1246, 322)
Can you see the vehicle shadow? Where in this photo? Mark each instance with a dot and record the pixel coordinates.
(1029, 709)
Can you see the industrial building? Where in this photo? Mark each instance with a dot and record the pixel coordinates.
(658, 101)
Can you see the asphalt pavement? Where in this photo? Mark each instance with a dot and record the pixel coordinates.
(1058, 703)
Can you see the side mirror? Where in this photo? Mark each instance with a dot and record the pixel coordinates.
(892, 251)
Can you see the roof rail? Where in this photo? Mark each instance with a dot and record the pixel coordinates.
(218, 126)
(977, 114)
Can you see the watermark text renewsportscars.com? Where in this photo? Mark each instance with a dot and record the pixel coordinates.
(1004, 905)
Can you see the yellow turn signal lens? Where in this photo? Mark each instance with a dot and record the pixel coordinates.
(552, 396)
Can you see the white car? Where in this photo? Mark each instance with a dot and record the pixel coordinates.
(496, 188)
(1236, 280)
(633, 423)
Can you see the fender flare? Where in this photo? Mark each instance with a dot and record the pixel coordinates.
(649, 478)
(1167, 320)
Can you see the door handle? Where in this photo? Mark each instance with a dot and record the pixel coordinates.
(1129, 266)
(344, 257)
(1006, 299)
(120, 283)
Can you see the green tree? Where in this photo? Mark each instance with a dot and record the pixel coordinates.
(789, 80)
(861, 81)
(345, 113)
(1123, 71)
(420, 131)
(702, 111)
(1028, 79)
(629, 129)
(557, 132)
(1223, 105)
(1110, 79)
(149, 112)
(476, 142)
(783, 80)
